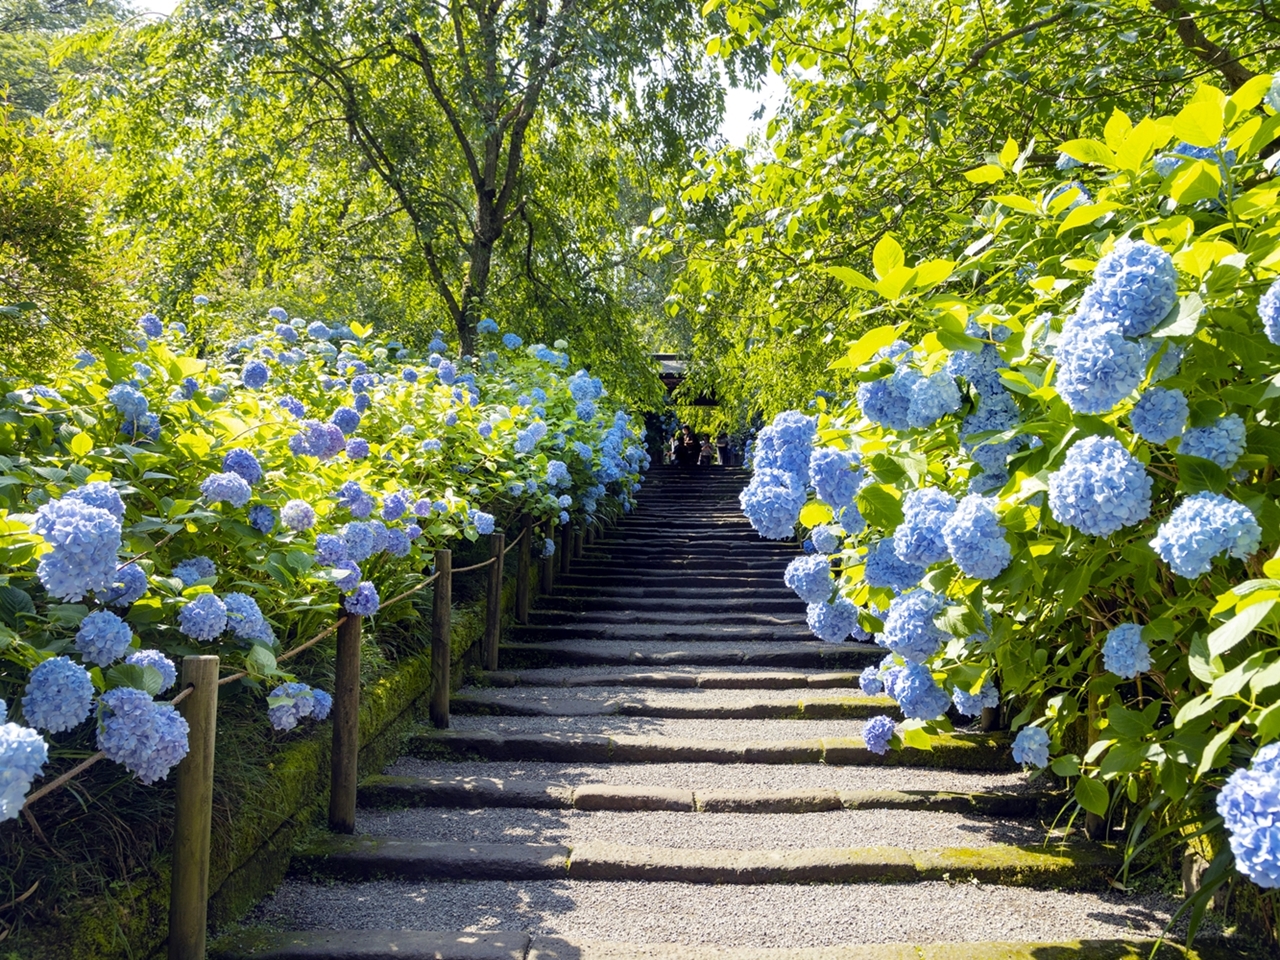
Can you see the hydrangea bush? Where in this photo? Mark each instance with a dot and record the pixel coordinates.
(1054, 476)
(156, 503)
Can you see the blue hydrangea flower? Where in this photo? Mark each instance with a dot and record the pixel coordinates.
(361, 540)
(398, 544)
(318, 331)
(772, 502)
(200, 300)
(147, 427)
(23, 754)
(128, 400)
(319, 440)
(59, 695)
(483, 521)
(323, 704)
(810, 577)
(1249, 803)
(918, 539)
(193, 569)
(349, 577)
(363, 403)
(98, 494)
(878, 734)
(996, 413)
(1066, 162)
(916, 692)
(147, 738)
(244, 464)
(364, 602)
(885, 569)
(226, 487)
(255, 375)
(487, 325)
(346, 420)
(447, 372)
(548, 548)
(1204, 526)
(292, 405)
(203, 618)
(1081, 197)
(1159, 415)
(129, 584)
(972, 704)
(151, 325)
(85, 540)
(103, 638)
(828, 539)
(1269, 312)
(975, 538)
(1097, 366)
(262, 518)
(409, 375)
(886, 402)
(1125, 653)
(836, 476)
(1031, 747)
(851, 521)
(787, 445)
(511, 341)
(331, 551)
(832, 622)
(1223, 442)
(353, 497)
(289, 703)
(931, 399)
(395, 505)
(278, 314)
(1100, 488)
(909, 630)
(298, 515)
(1134, 286)
(244, 618)
(870, 683)
(158, 662)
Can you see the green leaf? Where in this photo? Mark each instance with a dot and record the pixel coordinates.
(1066, 766)
(879, 506)
(1201, 665)
(1196, 474)
(887, 257)
(958, 341)
(989, 173)
(1268, 723)
(815, 513)
(132, 675)
(1238, 627)
(1085, 214)
(915, 737)
(1089, 151)
(1092, 795)
(81, 444)
(1199, 123)
(13, 604)
(260, 662)
(1197, 181)
(1209, 759)
(867, 345)
(1183, 319)
(851, 278)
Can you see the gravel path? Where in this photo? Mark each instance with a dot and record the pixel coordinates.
(909, 829)
(663, 697)
(737, 730)
(729, 915)
(722, 776)
(552, 676)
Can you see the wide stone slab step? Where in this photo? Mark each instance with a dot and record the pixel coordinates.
(675, 680)
(516, 945)
(859, 707)
(482, 793)
(1061, 867)
(953, 752)
(564, 608)
(617, 614)
(774, 653)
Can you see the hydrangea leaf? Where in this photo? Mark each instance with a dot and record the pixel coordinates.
(988, 173)
(1086, 214)
(1199, 123)
(1227, 636)
(1200, 180)
(815, 513)
(887, 256)
(1089, 151)
(1183, 319)
(1196, 474)
(1092, 795)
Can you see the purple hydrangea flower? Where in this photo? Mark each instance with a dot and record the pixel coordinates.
(364, 602)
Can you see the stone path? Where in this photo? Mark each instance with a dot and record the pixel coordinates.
(669, 766)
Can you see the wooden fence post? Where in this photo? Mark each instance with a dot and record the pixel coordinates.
(577, 543)
(493, 613)
(344, 760)
(193, 818)
(566, 547)
(522, 570)
(441, 652)
(990, 719)
(591, 532)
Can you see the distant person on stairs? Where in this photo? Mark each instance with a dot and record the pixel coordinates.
(686, 447)
(705, 453)
(722, 448)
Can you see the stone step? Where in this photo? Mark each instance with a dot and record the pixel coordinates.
(813, 654)
(582, 576)
(493, 793)
(723, 565)
(708, 704)
(698, 632)
(954, 752)
(664, 595)
(562, 609)
(372, 945)
(741, 678)
(678, 614)
(1058, 867)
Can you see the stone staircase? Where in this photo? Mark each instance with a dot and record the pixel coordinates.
(669, 767)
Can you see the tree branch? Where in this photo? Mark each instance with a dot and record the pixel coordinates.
(994, 42)
(451, 115)
(1233, 71)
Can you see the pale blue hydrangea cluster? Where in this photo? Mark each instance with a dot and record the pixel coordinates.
(997, 412)
(1223, 441)
(1205, 526)
(1159, 415)
(103, 638)
(244, 464)
(870, 682)
(145, 737)
(975, 539)
(98, 494)
(1097, 366)
(354, 498)
(909, 630)
(318, 439)
(919, 539)
(548, 547)
(787, 445)
(226, 488)
(483, 522)
(293, 702)
(916, 692)
(907, 397)
(363, 539)
(1031, 747)
(810, 577)
(158, 662)
(363, 602)
(255, 374)
(885, 570)
(292, 405)
(878, 734)
(836, 476)
(395, 505)
(827, 538)
(204, 618)
(1166, 164)
(23, 754)
(85, 541)
(972, 704)
(129, 584)
(357, 448)
(151, 325)
(193, 569)
(1125, 653)
(487, 325)
(346, 419)
(1269, 312)
(772, 502)
(245, 619)
(1249, 804)
(128, 400)
(832, 622)
(1100, 488)
(558, 473)
(262, 518)
(59, 695)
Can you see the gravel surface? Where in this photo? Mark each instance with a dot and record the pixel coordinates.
(659, 697)
(908, 829)
(722, 776)
(737, 730)
(773, 915)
